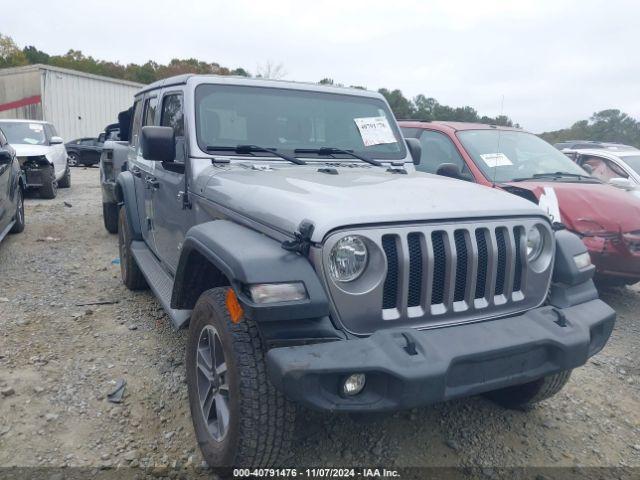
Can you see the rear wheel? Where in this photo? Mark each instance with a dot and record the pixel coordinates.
(240, 418)
(110, 217)
(132, 276)
(65, 182)
(528, 394)
(73, 159)
(49, 188)
(18, 226)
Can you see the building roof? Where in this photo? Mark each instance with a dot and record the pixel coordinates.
(41, 66)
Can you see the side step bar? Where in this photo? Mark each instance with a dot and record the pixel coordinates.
(160, 282)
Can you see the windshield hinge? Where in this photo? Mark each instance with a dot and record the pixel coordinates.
(302, 239)
(184, 197)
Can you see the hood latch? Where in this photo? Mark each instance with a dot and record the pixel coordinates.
(302, 241)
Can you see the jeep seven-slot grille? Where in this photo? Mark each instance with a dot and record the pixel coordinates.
(445, 267)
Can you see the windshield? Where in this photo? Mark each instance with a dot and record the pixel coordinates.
(633, 161)
(284, 119)
(24, 132)
(505, 155)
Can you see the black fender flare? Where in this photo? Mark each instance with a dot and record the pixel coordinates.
(125, 193)
(244, 257)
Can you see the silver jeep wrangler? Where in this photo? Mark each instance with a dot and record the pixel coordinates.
(285, 224)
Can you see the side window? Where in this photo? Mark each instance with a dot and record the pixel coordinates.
(173, 116)
(603, 169)
(151, 105)
(135, 124)
(3, 139)
(148, 116)
(437, 149)
(53, 131)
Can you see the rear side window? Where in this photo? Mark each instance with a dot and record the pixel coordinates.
(172, 115)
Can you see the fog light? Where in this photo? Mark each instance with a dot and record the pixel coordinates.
(582, 261)
(353, 384)
(277, 292)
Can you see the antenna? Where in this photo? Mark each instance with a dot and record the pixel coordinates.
(495, 164)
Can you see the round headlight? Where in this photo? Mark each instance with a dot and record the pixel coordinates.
(535, 242)
(348, 258)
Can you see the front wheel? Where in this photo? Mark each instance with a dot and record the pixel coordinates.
(18, 225)
(526, 395)
(65, 182)
(240, 418)
(132, 276)
(49, 188)
(110, 217)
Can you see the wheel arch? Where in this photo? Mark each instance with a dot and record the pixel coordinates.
(223, 253)
(125, 193)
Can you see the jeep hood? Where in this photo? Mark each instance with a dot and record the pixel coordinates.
(587, 207)
(282, 197)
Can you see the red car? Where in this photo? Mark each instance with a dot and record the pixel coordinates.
(606, 218)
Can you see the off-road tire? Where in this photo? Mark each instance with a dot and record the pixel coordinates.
(49, 188)
(110, 217)
(261, 419)
(65, 182)
(131, 274)
(18, 226)
(526, 395)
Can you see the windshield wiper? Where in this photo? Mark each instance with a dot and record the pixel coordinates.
(554, 175)
(255, 148)
(332, 150)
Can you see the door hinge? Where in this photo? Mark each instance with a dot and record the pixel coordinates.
(184, 198)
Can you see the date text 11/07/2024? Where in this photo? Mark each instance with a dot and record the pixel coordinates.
(315, 473)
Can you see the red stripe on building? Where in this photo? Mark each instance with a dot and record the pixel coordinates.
(21, 103)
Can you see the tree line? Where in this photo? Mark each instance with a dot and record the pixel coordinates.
(610, 125)
(607, 125)
(419, 108)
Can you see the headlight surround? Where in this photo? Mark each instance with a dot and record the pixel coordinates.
(348, 258)
(535, 242)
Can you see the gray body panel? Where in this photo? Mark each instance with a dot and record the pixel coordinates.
(285, 195)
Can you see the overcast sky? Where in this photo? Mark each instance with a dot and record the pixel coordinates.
(554, 62)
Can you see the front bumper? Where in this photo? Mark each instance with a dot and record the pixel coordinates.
(443, 363)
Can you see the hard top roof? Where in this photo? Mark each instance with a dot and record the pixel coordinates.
(193, 79)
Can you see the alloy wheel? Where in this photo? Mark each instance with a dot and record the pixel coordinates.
(213, 387)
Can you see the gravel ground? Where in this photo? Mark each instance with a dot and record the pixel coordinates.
(59, 359)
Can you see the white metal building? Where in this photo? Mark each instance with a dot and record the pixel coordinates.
(78, 104)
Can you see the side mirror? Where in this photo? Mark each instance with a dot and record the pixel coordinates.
(450, 170)
(587, 168)
(56, 141)
(158, 144)
(415, 149)
(623, 183)
(5, 156)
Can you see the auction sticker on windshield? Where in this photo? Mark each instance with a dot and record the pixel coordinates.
(496, 159)
(375, 130)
